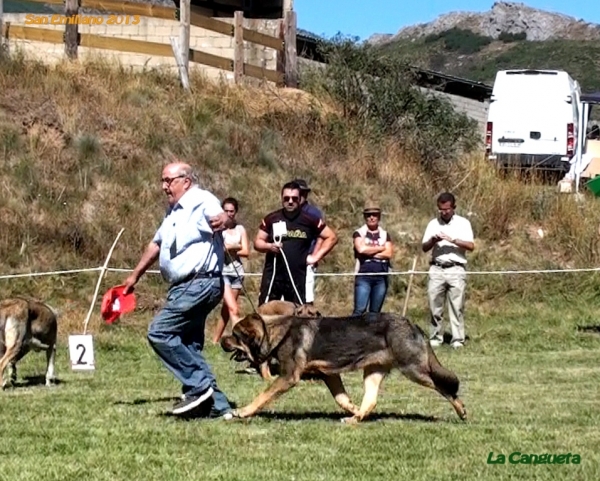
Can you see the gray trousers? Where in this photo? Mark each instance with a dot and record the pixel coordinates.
(447, 285)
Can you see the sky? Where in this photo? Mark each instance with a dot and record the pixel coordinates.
(362, 18)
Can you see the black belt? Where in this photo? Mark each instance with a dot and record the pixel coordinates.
(198, 275)
(446, 265)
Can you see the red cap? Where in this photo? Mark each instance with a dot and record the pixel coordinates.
(115, 303)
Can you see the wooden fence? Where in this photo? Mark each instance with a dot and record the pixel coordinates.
(285, 44)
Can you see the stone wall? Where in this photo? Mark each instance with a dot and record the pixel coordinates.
(474, 109)
(153, 30)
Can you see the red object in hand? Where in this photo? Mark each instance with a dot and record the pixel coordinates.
(115, 303)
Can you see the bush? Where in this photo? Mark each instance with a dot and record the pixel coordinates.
(460, 40)
(507, 37)
(379, 94)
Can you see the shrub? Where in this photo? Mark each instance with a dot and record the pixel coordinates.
(460, 40)
(507, 37)
(379, 94)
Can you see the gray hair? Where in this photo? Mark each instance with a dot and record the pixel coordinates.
(191, 174)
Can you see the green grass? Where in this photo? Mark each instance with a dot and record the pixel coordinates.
(530, 382)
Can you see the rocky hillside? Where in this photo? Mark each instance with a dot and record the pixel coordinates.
(510, 35)
(504, 17)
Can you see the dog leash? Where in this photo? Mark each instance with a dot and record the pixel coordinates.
(288, 271)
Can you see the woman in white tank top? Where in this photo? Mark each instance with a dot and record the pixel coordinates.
(236, 247)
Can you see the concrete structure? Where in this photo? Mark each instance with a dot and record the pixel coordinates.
(152, 30)
(473, 108)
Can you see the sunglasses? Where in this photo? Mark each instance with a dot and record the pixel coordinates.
(293, 198)
(371, 215)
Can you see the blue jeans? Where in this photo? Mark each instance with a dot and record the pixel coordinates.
(369, 291)
(177, 336)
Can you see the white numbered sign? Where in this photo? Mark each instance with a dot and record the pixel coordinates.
(279, 229)
(81, 352)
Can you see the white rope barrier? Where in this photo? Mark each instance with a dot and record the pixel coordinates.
(51, 273)
(320, 274)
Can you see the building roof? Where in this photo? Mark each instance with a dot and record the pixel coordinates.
(306, 46)
(453, 85)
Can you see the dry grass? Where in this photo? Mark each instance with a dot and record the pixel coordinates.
(81, 148)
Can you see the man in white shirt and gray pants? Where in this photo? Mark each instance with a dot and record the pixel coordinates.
(189, 247)
(450, 236)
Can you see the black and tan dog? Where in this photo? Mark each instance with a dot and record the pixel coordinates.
(375, 343)
(26, 324)
(272, 309)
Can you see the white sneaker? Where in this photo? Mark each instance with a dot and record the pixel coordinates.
(435, 343)
(457, 344)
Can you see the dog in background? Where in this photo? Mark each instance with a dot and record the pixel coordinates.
(273, 309)
(329, 346)
(26, 324)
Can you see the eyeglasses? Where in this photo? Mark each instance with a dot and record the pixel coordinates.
(293, 198)
(371, 215)
(169, 180)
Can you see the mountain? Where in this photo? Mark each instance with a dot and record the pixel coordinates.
(510, 35)
(508, 17)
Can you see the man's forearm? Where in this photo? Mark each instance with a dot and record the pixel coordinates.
(464, 244)
(325, 247)
(427, 246)
(148, 258)
(261, 245)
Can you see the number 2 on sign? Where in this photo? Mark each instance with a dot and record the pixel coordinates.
(81, 350)
(80, 360)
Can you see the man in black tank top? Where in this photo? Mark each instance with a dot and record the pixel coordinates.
(300, 229)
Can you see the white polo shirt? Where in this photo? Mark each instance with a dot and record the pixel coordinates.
(186, 240)
(445, 251)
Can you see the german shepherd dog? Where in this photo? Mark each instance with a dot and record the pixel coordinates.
(329, 346)
(272, 309)
(26, 324)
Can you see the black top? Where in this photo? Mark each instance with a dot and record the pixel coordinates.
(302, 229)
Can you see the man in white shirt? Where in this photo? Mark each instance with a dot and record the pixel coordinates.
(450, 236)
(189, 247)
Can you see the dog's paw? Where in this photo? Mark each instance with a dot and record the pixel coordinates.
(352, 420)
(241, 413)
(8, 385)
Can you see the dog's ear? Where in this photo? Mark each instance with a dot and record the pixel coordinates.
(229, 343)
(306, 310)
(252, 331)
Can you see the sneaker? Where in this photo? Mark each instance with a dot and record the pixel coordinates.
(191, 402)
(457, 345)
(435, 343)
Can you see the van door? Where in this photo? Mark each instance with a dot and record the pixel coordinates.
(531, 129)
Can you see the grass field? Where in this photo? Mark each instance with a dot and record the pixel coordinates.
(530, 382)
(88, 163)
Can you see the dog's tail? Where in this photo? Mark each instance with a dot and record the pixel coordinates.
(445, 380)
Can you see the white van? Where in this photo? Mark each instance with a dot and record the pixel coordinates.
(533, 119)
